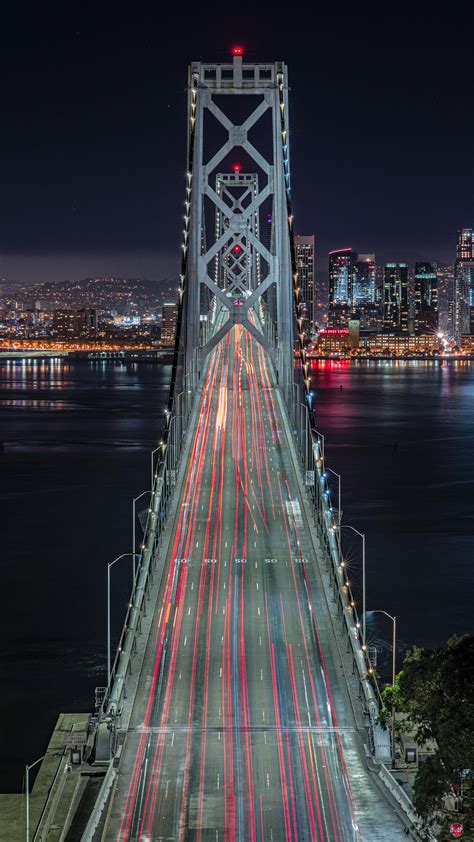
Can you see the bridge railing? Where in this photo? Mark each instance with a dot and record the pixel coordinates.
(164, 481)
(177, 415)
(310, 447)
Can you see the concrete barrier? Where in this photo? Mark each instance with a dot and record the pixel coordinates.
(99, 806)
(404, 802)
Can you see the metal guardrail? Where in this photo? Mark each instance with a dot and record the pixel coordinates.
(165, 478)
(164, 482)
(404, 802)
(311, 455)
(99, 806)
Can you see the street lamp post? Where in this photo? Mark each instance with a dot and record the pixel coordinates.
(339, 500)
(109, 565)
(172, 443)
(322, 447)
(134, 517)
(152, 469)
(27, 791)
(303, 414)
(361, 535)
(394, 651)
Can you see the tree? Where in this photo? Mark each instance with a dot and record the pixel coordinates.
(436, 690)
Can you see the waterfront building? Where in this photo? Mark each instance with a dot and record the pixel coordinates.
(426, 310)
(344, 340)
(466, 343)
(395, 298)
(75, 324)
(333, 340)
(399, 344)
(168, 324)
(463, 281)
(305, 265)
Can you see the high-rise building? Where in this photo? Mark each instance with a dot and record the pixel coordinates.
(445, 298)
(305, 267)
(425, 298)
(364, 280)
(464, 281)
(341, 283)
(451, 319)
(75, 324)
(168, 324)
(395, 298)
(364, 297)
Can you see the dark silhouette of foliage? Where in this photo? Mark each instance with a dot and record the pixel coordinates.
(436, 691)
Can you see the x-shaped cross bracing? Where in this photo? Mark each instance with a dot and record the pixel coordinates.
(238, 228)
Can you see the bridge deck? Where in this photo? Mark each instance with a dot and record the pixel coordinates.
(241, 729)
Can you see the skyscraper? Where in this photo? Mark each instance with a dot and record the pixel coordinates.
(426, 298)
(341, 283)
(168, 324)
(464, 281)
(364, 280)
(445, 298)
(395, 298)
(364, 298)
(305, 266)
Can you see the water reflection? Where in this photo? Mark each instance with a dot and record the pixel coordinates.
(76, 448)
(33, 374)
(401, 435)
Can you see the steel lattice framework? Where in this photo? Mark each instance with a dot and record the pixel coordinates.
(237, 266)
(238, 245)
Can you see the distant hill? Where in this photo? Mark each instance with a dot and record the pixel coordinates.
(103, 293)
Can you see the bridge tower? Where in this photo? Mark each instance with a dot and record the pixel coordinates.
(237, 138)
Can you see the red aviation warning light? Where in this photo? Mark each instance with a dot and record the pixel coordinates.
(236, 167)
(237, 249)
(237, 51)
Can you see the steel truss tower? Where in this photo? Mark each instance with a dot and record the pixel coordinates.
(238, 244)
(237, 269)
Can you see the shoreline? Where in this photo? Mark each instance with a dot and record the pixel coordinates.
(164, 356)
(401, 358)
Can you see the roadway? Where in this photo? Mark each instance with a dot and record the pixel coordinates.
(241, 729)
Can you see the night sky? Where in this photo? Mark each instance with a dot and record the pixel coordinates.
(94, 117)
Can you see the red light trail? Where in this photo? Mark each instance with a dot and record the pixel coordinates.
(238, 693)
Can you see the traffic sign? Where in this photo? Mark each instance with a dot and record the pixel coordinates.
(456, 829)
(75, 738)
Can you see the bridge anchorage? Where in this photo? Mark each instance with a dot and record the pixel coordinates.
(241, 692)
